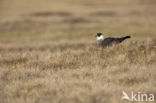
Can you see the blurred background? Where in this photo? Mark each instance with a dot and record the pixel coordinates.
(136, 17)
(47, 53)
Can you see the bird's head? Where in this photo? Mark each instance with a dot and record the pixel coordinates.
(100, 36)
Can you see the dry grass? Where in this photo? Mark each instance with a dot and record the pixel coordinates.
(74, 71)
(48, 54)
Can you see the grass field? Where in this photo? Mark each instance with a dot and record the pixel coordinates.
(48, 52)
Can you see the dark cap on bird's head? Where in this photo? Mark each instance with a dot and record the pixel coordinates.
(99, 34)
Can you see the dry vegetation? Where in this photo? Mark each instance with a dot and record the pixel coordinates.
(48, 52)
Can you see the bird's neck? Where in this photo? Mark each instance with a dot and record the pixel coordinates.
(100, 37)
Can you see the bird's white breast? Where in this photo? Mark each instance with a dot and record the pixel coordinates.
(100, 38)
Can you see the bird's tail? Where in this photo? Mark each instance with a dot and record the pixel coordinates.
(126, 37)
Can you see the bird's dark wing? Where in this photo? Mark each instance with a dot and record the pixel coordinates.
(109, 41)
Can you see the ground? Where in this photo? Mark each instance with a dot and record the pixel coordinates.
(48, 52)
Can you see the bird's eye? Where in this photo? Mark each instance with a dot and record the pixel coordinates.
(99, 34)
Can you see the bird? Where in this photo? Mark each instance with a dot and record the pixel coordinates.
(105, 42)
